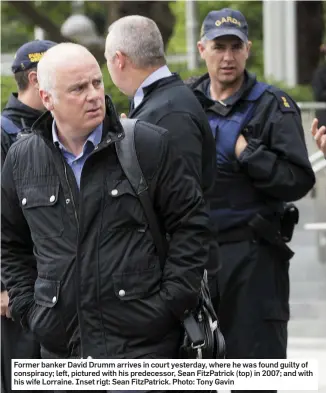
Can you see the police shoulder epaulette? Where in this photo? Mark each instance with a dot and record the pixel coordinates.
(284, 101)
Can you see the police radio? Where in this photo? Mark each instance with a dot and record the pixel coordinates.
(289, 220)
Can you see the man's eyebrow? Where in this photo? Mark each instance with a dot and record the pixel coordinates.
(83, 82)
(79, 83)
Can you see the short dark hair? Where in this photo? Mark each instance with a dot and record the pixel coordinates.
(21, 78)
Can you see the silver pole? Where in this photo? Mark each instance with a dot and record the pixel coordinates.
(39, 33)
(280, 62)
(192, 34)
(290, 37)
(273, 42)
(77, 7)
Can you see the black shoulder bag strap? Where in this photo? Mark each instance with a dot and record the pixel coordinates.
(129, 162)
(127, 156)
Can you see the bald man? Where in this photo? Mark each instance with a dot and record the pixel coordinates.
(99, 290)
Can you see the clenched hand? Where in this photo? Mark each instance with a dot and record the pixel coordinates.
(240, 145)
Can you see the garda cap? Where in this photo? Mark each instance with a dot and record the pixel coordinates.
(225, 22)
(29, 54)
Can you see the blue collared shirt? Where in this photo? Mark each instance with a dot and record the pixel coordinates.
(160, 73)
(77, 163)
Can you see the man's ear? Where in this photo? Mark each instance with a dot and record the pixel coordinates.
(201, 49)
(47, 99)
(32, 79)
(121, 59)
(249, 45)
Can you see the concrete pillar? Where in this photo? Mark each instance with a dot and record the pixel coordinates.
(38, 33)
(77, 7)
(191, 34)
(279, 27)
(290, 42)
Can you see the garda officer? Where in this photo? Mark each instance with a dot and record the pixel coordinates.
(24, 107)
(262, 163)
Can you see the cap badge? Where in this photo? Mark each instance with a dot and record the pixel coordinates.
(235, 21)
(35, 57)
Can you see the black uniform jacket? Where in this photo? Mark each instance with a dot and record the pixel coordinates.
(170, 104)
(23, 116)
(276, 158)
(96, 278)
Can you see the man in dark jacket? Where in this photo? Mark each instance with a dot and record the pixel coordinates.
(25, 106)
(262, 163)
(97, 289)
(22, 110)
(137, 65)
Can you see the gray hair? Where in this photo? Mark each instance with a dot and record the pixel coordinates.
(137, 37)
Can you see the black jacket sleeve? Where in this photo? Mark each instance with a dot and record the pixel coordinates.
(277, 160)
(187, 139)
(18, 265)
(195, 143)
(180, 206)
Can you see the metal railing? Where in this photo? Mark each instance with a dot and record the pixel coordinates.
(311, 106)
(317, 161)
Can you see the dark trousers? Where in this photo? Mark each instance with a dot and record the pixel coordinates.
(254, 301)
(15, 344)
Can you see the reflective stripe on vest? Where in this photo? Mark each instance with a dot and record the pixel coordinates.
(234, 199)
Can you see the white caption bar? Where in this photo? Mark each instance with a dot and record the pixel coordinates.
(164, 374)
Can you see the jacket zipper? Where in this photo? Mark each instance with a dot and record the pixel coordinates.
(96, 150)
(108, 142)
(76, 266)
(72, 198)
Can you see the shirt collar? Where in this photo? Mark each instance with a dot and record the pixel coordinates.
(160, 73)
(94, 137)
(234, 97)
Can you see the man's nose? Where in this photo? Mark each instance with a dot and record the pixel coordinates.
(93, 93)
(228, 54)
